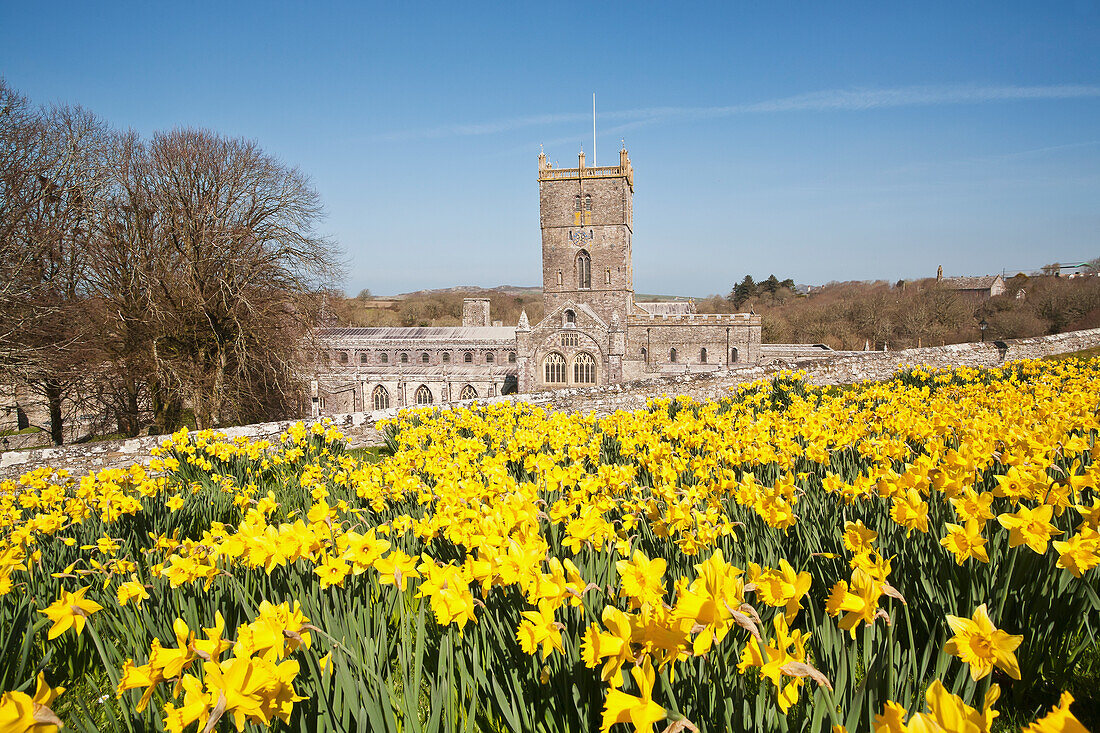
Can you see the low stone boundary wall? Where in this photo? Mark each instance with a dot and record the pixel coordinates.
(359, 427)
(22, 441)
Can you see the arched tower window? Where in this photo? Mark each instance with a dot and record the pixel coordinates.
(423, 395)
(577, 202)
(672, 356)
(584, 369)
(554, 368)
(570, 316)
(468, 393)
(584, 270)
(588, 202)
(511, 357)
(733, 355)
(380, 398)
(645, 355)
(702, 356)
(362, 358)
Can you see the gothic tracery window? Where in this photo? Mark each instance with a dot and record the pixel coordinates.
(468, 393)
(554, 368)
(569, 338)
(380, 398)
(584, 368)
(584, 270)
(423, 395)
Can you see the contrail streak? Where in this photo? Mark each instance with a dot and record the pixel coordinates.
(853, 100)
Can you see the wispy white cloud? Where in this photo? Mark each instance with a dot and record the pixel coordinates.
(853, 100)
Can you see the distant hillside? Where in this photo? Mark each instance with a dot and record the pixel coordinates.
(443, 306)
(473, 291)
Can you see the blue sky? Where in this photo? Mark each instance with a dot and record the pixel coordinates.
(815, 141)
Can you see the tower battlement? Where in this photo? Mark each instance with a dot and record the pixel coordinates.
(624, 170)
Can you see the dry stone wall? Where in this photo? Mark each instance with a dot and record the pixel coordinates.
(360, 427)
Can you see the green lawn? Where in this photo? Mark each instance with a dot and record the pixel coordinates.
(370, 454)
(1086, 354)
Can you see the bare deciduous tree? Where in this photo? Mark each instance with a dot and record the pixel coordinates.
(237, 260)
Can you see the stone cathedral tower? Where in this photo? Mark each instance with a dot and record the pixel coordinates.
(587, 218)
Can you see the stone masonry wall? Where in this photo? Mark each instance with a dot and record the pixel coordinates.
(844, 369)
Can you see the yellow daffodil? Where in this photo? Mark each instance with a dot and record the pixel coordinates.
(980, 644)
(69, 611)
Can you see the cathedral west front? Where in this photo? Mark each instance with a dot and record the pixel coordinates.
(593, 333)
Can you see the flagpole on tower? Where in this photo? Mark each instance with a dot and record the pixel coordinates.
(593, 129)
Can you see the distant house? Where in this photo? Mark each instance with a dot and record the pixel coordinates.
(982, 286)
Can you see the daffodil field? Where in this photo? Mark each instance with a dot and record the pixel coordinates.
(914, 555)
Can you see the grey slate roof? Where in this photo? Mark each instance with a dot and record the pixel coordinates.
(672, 307)
(981, 282)
(432, 333)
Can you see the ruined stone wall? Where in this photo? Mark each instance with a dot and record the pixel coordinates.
(360, 429)
(475, 312)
